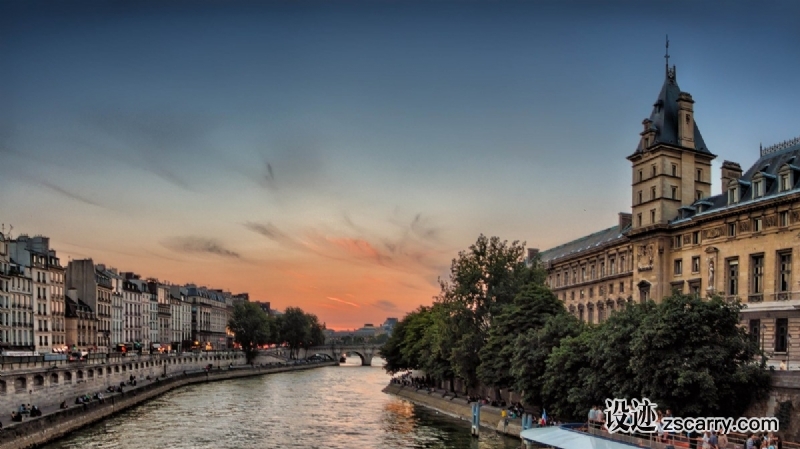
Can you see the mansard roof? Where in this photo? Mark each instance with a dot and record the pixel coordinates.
(586, 243)
(664, 117)
(772, 160)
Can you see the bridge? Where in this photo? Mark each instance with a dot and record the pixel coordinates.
(365, 351)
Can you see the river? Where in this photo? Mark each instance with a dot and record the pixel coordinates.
(330, 407)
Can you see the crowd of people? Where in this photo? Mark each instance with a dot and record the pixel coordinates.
(31, 411)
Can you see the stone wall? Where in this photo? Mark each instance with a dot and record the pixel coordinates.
(459, 407)
(34, 432)
(785, 389)
(33, 381)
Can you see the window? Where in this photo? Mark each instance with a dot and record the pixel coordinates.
(699, 174)
(784, 271)
(678, 241)
(674, 170)
(698, 195)
(591, 292)
(731, 229)
(781, 334)
(640, 198)
(581, 294)
(783, 219)
(592, 273)
(785, 182)
(678, 267)
(732, 274)
(583, 276)
(674, 192)
(757, 225)
(653, 170)
(652, 193)
(696, 237)
(613, 263)
(758, 189)
(602, 269)
(694, 287)
(755, 330)
(622, 287)
(640, 176)
(757, 274)
(733, 195)
(639, 219)
(610, 288)
(696, 264)
(652, 215)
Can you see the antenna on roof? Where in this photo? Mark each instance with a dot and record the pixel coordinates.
(666, 56)
(10, 228)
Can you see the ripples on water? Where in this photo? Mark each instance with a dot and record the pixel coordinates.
(332, 407)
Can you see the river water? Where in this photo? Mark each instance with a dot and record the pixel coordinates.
(330, 407)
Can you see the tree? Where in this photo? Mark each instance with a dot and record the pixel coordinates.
(251, 328)
(531, 309)
(295, 330)
(483, 280)
(567, 369)
(692, 356)
(531, 351)
(316, 331)
(392, 350)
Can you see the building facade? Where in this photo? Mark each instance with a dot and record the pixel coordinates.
(93, 287)
(679, 237)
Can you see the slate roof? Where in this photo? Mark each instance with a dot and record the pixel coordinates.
(586, 243)
(769, 164)
(665, 116)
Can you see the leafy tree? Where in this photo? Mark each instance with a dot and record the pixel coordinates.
(692, 356)
(531, 309)
(563, 385)
(391, 351)
(483, 280)
(531, 351)
(295, 329)
(316, 331)
(251, 328)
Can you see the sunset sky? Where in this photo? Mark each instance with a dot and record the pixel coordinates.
(336, 156)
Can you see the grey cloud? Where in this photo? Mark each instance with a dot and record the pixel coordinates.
(385, 305)
(199, 245)
(70, 195)
(422, 228)
(272, 232)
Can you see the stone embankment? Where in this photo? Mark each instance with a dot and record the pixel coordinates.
(444, 402)
(37, 431)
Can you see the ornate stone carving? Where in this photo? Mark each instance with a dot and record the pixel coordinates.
(715, 232)
(645, 257)
(744, 226)
(687, 239)
(770, 221)
(795, 216)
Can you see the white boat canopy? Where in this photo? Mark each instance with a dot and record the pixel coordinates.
(563, 437)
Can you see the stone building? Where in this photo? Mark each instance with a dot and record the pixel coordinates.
(81, 328)
(737, 243)
(94, 288)
(209, 316)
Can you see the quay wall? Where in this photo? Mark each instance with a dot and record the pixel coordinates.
(30, 380)
(35, 432)
(458, 407)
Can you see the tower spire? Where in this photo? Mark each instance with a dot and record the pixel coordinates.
(666, 56)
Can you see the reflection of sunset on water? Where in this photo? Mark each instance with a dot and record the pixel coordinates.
(399, 416)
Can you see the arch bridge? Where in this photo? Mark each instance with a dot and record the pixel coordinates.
(335, 351)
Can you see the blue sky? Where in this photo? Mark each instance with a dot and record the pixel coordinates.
(304, 151)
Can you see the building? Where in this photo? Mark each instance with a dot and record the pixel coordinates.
(679, 237)
(264, 305)
(210, 312)
(94, 288)
(388, 325)
(17, 295)
(181, 312)
(117, 308)
(81, 328)
(41, 263)
(133, 313)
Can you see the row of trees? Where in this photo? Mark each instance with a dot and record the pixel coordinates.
(495, 324)
(295, 329)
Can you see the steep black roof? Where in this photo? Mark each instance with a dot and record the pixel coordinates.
(664, 117)
(586, 243)
(767, 166)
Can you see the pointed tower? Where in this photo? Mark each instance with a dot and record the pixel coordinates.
(671, 165)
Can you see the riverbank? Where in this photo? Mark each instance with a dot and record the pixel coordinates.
(51, 426)
(444, 402)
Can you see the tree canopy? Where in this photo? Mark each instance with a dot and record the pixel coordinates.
(251, 328)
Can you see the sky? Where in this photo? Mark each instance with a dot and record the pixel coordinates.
(337, 156)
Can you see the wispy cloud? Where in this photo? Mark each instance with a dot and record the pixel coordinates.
(199, 245)
(66, 193)
(272, 232)
(385, 305)
(421, 226)
(342, 301)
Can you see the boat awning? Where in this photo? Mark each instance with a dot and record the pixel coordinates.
(563, 438)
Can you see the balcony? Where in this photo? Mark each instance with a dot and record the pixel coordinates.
(755, 297)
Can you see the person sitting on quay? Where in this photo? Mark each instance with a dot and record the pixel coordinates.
(16, 417)
(63, 405)
(35, 411)
(22, 410)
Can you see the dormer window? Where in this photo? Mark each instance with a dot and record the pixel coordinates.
(733, 195)
(758, 188)
(786, 183)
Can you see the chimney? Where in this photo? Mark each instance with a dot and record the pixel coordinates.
(625, 220)
(730, 170)
(533, 253)
(685, 120)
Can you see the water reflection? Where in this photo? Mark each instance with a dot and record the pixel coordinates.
(333, 407)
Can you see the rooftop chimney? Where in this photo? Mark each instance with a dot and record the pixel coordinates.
(730, 170)
(625, 220)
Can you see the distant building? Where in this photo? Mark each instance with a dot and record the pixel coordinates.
(94, 288)
(265, 306)
(388, 325)
(81, 324)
